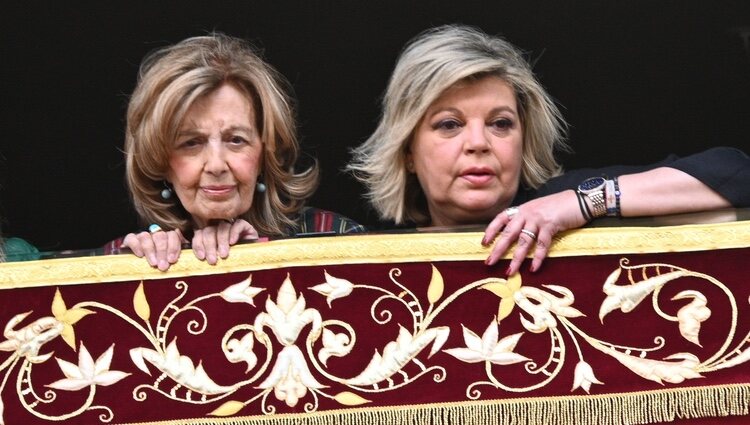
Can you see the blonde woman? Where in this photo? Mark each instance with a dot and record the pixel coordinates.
(468, 136)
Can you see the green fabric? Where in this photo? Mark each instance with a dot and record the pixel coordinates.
(17, 249)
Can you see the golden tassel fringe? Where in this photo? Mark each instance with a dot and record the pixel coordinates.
(611, 409)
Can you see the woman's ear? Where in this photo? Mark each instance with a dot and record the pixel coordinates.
(409, 162)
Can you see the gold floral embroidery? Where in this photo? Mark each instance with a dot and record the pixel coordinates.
(297, 372)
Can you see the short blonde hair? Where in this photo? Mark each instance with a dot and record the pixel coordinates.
(431, 63)
(174, 77)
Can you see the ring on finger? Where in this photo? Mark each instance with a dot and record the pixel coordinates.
(511, 211)
(154, 228)
(529, 233)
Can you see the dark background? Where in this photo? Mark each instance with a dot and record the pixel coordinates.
(636, 80)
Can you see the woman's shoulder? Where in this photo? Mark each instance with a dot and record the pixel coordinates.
(313, 220)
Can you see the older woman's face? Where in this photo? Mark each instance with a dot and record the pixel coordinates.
(466, 152)
(216, 159)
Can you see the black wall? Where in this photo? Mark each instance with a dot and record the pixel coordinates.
(637, 80)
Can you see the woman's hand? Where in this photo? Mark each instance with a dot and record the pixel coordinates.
(212, 242)
(533, 224)
(161, 248)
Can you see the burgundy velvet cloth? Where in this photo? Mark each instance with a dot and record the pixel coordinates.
(475, 310)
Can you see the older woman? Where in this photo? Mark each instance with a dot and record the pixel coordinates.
(468, 136)
(211, 147)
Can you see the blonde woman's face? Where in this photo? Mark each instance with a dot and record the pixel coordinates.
(466, 152)
(216, 159)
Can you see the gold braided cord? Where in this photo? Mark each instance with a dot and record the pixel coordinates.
(373, 249)
(645, 407)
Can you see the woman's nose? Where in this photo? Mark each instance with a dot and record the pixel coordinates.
(476, 138)
(215, 158)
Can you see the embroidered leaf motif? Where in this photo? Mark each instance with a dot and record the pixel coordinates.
(333, 345)
(692, 315)
(350, 399)
(68, 317)
(140, 303)
(58, 305)
(398, 353)
(435, 290)
(441, 335)
(227, 409)
(504, 308)
(628, 297)
(182, 369)
(680, 368)
(505, 290)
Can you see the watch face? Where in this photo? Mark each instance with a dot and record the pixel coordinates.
(591, 184)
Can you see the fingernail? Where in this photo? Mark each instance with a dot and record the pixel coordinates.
(484, 241)
(163, 265)
(507, 272)
(533, 268)
(211, 259)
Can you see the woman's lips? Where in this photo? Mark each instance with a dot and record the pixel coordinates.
(217, 192)
(478, 176)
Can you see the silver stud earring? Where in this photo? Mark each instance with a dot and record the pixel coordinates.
(166, 193)
(260, 187)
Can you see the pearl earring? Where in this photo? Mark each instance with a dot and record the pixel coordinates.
(260, 187)
(166, 193)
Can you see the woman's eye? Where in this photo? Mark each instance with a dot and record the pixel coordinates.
(187, 144)
(447, 125)
(502, 124)
(237, 140)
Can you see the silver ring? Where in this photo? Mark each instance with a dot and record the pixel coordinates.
(529, 233)
(154, 228)
(511, 211)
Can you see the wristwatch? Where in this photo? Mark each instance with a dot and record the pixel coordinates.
(593, 188)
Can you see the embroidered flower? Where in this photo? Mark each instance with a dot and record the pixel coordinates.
(287, 316)
(488, 348)
(334, 288)
(241, 292)
(583, 377)
(88, 372)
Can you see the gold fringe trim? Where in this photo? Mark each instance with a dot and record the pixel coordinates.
(611, 409)
(373, 249)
